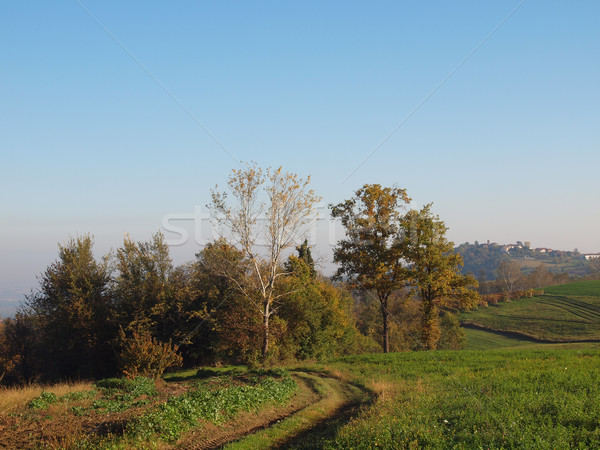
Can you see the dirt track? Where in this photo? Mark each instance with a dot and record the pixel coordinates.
(322, 404)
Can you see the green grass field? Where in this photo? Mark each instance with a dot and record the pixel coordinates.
(589, 288)
(489, 340)
(472, 399)
(564, 313)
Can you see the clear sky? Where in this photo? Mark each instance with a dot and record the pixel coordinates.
(492, 116)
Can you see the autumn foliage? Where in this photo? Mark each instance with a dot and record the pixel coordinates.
(144, 356)
(253, 296)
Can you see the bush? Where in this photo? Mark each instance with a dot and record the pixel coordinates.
(145, 356)
(453, 335)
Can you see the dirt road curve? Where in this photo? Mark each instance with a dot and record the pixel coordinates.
(323, 403)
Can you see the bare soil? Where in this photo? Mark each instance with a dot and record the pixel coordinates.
(58, 427)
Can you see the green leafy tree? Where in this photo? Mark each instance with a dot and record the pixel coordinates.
(371, 257)
(305, 255)
(72, 314)
(594, 268)
(453, 336)
(142, 287)
(223, 324)
(434, 270)
(318, 315)
(21, 352)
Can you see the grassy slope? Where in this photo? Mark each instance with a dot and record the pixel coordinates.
(470, 399)
(565, 313)
(489, 340)
(588, 288)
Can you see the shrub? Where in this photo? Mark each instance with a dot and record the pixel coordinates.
(145, 356)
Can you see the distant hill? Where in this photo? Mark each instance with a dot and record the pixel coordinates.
(564, 313)
(482, 260)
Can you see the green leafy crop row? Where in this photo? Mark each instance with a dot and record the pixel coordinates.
(170, 419)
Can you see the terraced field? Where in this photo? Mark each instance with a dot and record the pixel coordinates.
(565, 313)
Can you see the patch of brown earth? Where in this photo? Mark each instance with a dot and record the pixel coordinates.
(59, 427)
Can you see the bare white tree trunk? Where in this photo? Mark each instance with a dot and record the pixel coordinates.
(288, 205)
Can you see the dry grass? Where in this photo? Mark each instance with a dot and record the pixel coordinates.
(339, 374)
(383, 388)
(17, 397)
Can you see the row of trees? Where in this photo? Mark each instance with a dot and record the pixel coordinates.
(90, 315)
(511, 278)
(245, 298)
(386, 251)
(484, 260)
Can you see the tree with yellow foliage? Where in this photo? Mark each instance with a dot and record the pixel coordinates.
(434, 271)
(370, 257)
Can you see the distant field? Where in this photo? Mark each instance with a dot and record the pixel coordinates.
(565, 313)
(573, 266)
(589, 288)
(489, 340)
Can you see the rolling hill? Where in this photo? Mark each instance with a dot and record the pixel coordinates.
(563, 314)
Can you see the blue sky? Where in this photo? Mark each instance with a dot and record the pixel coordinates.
(507, 148)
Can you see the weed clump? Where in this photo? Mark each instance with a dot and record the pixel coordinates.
(43, 400)
(120, 394)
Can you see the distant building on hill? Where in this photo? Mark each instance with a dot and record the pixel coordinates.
(591, 255)
(509, 247)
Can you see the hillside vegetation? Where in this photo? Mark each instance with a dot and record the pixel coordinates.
(483, 259)
(564, 313)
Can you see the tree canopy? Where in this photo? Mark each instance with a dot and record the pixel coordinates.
(370, 258)
(434, 271)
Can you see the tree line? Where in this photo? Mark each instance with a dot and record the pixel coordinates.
(253, 296)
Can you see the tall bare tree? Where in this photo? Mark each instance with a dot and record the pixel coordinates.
(288, 205)
(509, 272)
